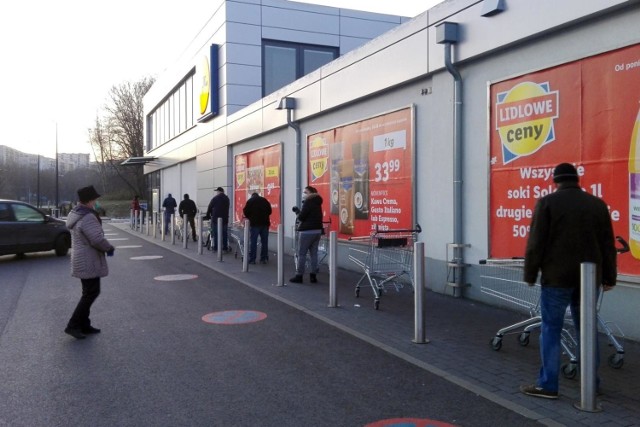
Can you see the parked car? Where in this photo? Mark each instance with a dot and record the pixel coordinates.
(24, 228)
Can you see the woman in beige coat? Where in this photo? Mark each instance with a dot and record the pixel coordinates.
(88, 261)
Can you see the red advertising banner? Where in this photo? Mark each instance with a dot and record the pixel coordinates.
(586, 113)
(363, 171)
(259, 172)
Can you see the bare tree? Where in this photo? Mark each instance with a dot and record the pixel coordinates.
(120, 134)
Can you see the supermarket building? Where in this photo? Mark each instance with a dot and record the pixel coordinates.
(452, 120)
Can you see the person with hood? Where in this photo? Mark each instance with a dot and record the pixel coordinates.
(169, 204)
(309, 227)
(258, 210)
(219, 208)
(88, 261)
(188, 206)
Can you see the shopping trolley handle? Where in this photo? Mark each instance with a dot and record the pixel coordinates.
(500, 260)
(418, 229)
(624, 246)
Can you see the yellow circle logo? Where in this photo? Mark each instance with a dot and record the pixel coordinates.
(206, 86)
(524, 119)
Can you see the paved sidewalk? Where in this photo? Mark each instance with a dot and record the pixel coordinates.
(459, 332)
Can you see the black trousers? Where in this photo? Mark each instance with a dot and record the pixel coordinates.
(90, 291)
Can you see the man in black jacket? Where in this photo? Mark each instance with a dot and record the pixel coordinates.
(188, 206)
(258, 210)
(569, 227)
(219, 208)
(309, 220)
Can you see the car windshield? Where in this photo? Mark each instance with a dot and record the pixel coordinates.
(25, 213)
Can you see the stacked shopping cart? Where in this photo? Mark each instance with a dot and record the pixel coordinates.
(386, 260)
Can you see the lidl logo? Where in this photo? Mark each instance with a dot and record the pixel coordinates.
(206, 85)
(318, 157)
(525, 116)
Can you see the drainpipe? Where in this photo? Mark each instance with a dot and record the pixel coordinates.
(289, 104)
(447, 34)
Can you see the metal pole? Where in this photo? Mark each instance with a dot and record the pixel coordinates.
(131, 219)
(588, 338)
(418, 280)
(172, 229)
(245, 247)
(164, 224)
(219, 228)
(155, 224)
(333, 271)
(185, 236)
(280, 259)
(200, 225)
(146, 214)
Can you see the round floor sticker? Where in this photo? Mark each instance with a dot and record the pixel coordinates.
(409, 422)
(145, 257)
(234, 317)
(176, 277)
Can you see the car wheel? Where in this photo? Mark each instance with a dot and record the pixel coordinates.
(62, 245)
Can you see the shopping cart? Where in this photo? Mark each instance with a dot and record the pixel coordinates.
(236, 238)
(386, 260)
(502, 279)
(323, 248)
(206, 234)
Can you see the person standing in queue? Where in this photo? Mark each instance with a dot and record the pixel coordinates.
(88, 261)
(309, 227)
(569, 227)
(169, 204)
(188, 207)
(219, 208)
(258, 210)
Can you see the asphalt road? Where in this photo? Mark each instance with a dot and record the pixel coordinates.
(158, 363)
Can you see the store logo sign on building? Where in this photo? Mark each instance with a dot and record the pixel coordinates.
(525, 116)
(206, 85)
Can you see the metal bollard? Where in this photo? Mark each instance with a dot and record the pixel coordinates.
(333, 269)
(172, 229)
(155, 224)
(418, 280)
(185, 236)
(200, 228)
(280, 259)
(139, 223)
(164, 224)
(219, 228)
(588, 338)
(146, 214)
(245, 247)
(131, 218)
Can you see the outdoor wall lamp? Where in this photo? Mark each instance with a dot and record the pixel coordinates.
(286, 103)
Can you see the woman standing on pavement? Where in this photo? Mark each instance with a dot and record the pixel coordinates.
(88, 261)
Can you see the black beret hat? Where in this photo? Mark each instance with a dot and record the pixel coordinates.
(87, 194)
(565, 172)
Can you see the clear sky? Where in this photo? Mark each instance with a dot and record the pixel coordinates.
(59, 59)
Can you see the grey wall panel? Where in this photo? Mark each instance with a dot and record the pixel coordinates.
(242, 95)
(249, 126)
(205, 161)
(355, 27)
(242, 33)
(348, 44)
(298, 36)
(311, 22)
(245, 13)
(242, 74)
(369, 16)
(244, 54)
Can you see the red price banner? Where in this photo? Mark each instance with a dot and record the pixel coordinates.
(586, 113)
(363, 171)
(258, 171)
